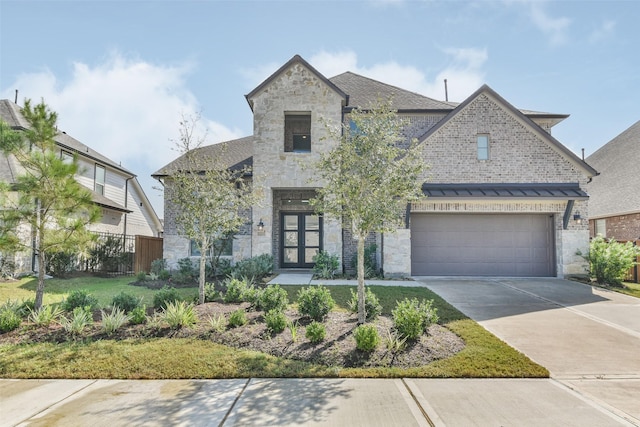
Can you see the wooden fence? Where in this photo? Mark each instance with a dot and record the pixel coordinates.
(148, 249)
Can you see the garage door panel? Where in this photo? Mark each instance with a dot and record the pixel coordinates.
(482, 244)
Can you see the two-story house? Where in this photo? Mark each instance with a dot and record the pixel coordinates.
(504, 197)
(126, 210)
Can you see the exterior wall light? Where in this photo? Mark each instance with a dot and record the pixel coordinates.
(577, 218)
(261, 226)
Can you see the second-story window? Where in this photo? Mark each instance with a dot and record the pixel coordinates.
(297, 133)
(483, 147)
(66, 156)
(100, 175)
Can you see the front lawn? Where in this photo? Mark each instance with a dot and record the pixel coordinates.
(194, 353)
(629, 288)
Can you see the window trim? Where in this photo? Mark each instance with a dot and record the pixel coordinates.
(195, 252)
(483, 152)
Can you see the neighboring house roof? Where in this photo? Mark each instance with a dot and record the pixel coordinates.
(615, 190)
(234, 154)
(530, 190)
(297, 59)
(554, 143)
(364, 92)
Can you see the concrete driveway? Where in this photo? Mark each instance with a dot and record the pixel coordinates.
(588, 338)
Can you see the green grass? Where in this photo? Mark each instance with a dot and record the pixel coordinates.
(172, 358)
(102, 288)
(629, 288)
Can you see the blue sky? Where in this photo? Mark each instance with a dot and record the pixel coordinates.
(121, 73)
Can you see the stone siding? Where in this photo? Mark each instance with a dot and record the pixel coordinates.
(296, 90)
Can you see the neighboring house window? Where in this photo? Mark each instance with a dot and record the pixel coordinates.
(226, 246)
(100, 179)
(66, 156)
(483, 147)
(601, 227)
(297, 133)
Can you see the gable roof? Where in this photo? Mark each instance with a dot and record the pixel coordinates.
(234, 154)
(12, 114)
(615, 190)
(364, 92)
(297, 59)
(554, 143)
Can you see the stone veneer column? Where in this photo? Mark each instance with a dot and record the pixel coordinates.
(397, 253)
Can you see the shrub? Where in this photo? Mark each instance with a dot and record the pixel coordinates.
(315, 332)
(236, 290)
(158, 265)
(9, 319)
(113, 321)
(293, 329)
(367, 338)
(411, 318)
(371, 304)
(237, 318)
(186, 271)
(210, 292)
(276, 321)
(255, 268)
(126, 302)
(370, 264)
(60, 263)
(179, 314)
(315, 302)
(326, 265)
(165, 296)
(251, 295)
(164, 275)
(273, 297)
(45, 315)
(141, 276)
(138, 315)
(217, 322)
(610, 261)
(80, 319)
(79, 298)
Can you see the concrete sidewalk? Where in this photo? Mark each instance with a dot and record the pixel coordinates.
(291, 278)
(296, 402)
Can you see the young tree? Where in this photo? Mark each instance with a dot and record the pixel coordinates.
(209, 198)
(45, 194)
(369, 179)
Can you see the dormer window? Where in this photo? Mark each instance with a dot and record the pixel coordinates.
(297, 132)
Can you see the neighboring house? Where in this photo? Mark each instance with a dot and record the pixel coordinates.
(615, 193)
(505, 198)
(125, 207)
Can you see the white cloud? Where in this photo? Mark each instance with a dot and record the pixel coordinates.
(463, 72)
(554, 28)
(603, 32)
(126, 109)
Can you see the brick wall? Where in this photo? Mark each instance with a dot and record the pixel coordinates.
(620, 227)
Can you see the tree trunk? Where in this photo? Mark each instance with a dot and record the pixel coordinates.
(362, 314)
(40, 288)
(201, 276)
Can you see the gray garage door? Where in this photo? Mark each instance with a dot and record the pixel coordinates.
(482, 245)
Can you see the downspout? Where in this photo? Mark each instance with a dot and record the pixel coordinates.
(126, 198)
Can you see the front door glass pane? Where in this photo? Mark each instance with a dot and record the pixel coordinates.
(312, 238)
(312, 222)
(291, 238)
(309, 253)
(291, 255)
(291, 222)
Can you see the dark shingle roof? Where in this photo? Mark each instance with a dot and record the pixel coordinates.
(234, 154)
(11, 113)
(364, 92)
(517, 190)
(615, 190)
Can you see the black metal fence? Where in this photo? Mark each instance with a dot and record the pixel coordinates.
(112, 255)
